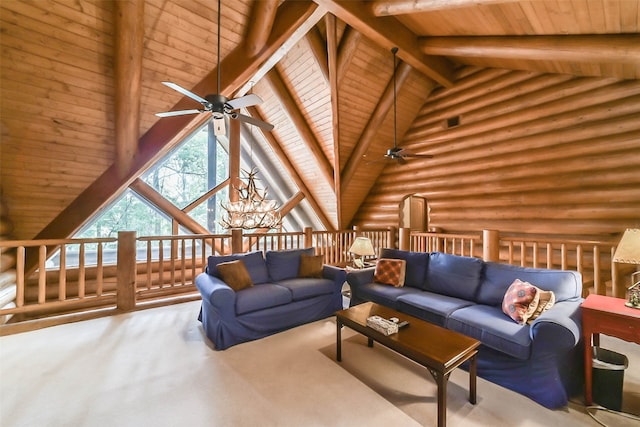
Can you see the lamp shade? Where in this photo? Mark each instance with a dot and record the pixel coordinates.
(628, 250)
(362, 246)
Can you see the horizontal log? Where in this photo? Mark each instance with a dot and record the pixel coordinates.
(538, 116)
(605, 48)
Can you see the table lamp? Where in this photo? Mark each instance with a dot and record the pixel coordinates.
(628, 252)
(361, 247)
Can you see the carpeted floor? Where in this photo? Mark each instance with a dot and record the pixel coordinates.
(155, 367)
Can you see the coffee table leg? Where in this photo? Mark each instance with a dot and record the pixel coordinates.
(338, 340)
(473, 367)
(369, 342)
(442, 399)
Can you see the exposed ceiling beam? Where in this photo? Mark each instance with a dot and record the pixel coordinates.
(167, 132)
(374, 124)
(301, 29)
(623, 49)
(276, 146)
(319, 50)
(388, 32)
(332, 55)
(262, 17)
(402, 7)
(291, 203)
(348, 45)
(152, 196)
(279, 88)
(129, 46)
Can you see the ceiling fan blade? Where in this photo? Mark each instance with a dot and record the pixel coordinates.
(250, 120)
(186, 92)
(178, 113)
(245, 101)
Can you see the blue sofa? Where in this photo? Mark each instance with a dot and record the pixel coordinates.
(278, 299)
(541, 360)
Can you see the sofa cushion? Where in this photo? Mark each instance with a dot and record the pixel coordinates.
(235, 274)
(383, 294)
(498, 277)
(453, 275)
(253, 261)
(490, 326)
(303, 288)
(416, 269)
(390, 272)
(285, 264)
(310, 265)
(260, 297)
(429, 306)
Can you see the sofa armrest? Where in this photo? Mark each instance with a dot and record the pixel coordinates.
(337, 275)
(357, 278)
(217, 293)
(559, 328)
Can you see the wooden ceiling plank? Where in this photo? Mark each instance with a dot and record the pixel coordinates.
(388, 32)
(263, 15)
(276, 146)
(275, 81)
(168, 132)
(332, 55)
(590, 48)
(129, 46)
(374, 124)
(402, 7)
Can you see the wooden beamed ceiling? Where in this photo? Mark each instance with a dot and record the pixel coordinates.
(323, 68)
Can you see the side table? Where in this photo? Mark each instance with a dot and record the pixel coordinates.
(609, 316)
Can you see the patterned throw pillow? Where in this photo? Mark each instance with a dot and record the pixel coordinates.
(235, 274)
(310, 265)
(390, 272)
(524, 302)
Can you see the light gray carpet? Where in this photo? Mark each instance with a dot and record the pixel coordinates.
(155, 367)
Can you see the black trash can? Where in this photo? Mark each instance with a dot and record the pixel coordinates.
(608, 377)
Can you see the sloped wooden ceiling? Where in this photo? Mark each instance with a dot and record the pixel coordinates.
(327, 89)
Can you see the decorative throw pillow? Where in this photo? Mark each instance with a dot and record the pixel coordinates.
(545, 302)
(311, 265)
(518, 299)
(235, 274)
(390, 272)
(524, 302)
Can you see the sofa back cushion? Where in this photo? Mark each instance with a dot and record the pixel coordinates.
(453, 275)
(253, 261)
(416, 267)
(283, 265)
(498, 277)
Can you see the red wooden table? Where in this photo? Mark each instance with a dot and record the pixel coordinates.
(609, 316)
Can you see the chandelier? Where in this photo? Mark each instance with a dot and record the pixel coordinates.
(252, 209)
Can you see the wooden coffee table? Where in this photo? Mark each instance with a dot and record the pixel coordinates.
(437, 349)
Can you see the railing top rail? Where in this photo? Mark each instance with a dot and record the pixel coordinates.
(444, 235)
(54, 242)
(280, 233)
(184, 236)
(557, 240)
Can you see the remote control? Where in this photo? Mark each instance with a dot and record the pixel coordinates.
(403, 324)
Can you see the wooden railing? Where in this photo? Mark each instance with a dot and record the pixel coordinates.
(128, 273)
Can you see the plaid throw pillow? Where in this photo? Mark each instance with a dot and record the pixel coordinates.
(390, 272)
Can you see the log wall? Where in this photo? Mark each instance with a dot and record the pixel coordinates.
(533, 153)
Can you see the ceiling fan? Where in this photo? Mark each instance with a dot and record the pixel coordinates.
(396, 153)
(219, 105)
